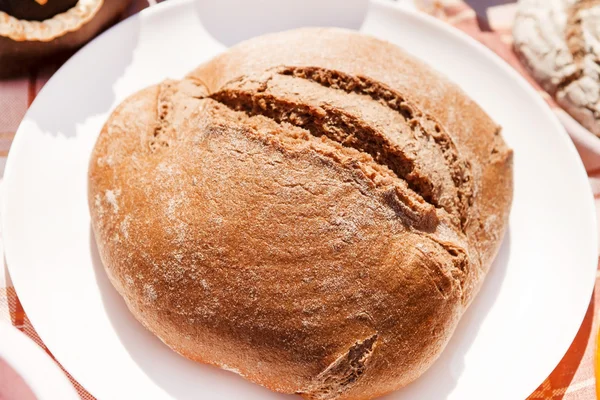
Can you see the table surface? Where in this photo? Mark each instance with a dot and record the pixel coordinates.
(489, 22)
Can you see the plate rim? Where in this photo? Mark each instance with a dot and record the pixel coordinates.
(568, 142)
(18, 141)
(19, 354)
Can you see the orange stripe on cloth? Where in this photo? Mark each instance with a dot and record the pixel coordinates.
(559, 381)
(594, 172)
(573, 377)
(19, 319)
(16, 312)
(6, 139)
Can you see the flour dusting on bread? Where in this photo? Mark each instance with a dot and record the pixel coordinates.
(313, 210)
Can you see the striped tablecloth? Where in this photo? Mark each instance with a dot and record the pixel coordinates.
(489, 22)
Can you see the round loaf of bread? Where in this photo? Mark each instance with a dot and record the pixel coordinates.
(313, 209)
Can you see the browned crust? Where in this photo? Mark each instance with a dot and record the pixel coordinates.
(296, 254)
(421, 124)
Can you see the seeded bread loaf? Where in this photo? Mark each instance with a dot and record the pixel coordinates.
(313, 209)
(559, 42)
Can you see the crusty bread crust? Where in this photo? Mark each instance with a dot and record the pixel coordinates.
(313, 209)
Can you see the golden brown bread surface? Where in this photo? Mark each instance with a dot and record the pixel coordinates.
(313, 209)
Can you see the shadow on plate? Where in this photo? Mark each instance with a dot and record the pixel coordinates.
(159, 362)
(268, 16)
(80, 100)
(563, 374)
(481, 8)
(170, 371)
(439, 381)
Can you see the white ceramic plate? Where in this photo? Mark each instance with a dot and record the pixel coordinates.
(516, 331)
(27, 372)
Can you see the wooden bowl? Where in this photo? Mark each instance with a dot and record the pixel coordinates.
(24, 42)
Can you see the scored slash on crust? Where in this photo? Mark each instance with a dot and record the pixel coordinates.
(343, 372)
(328, 235)
(337, 124)
(412, 193)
